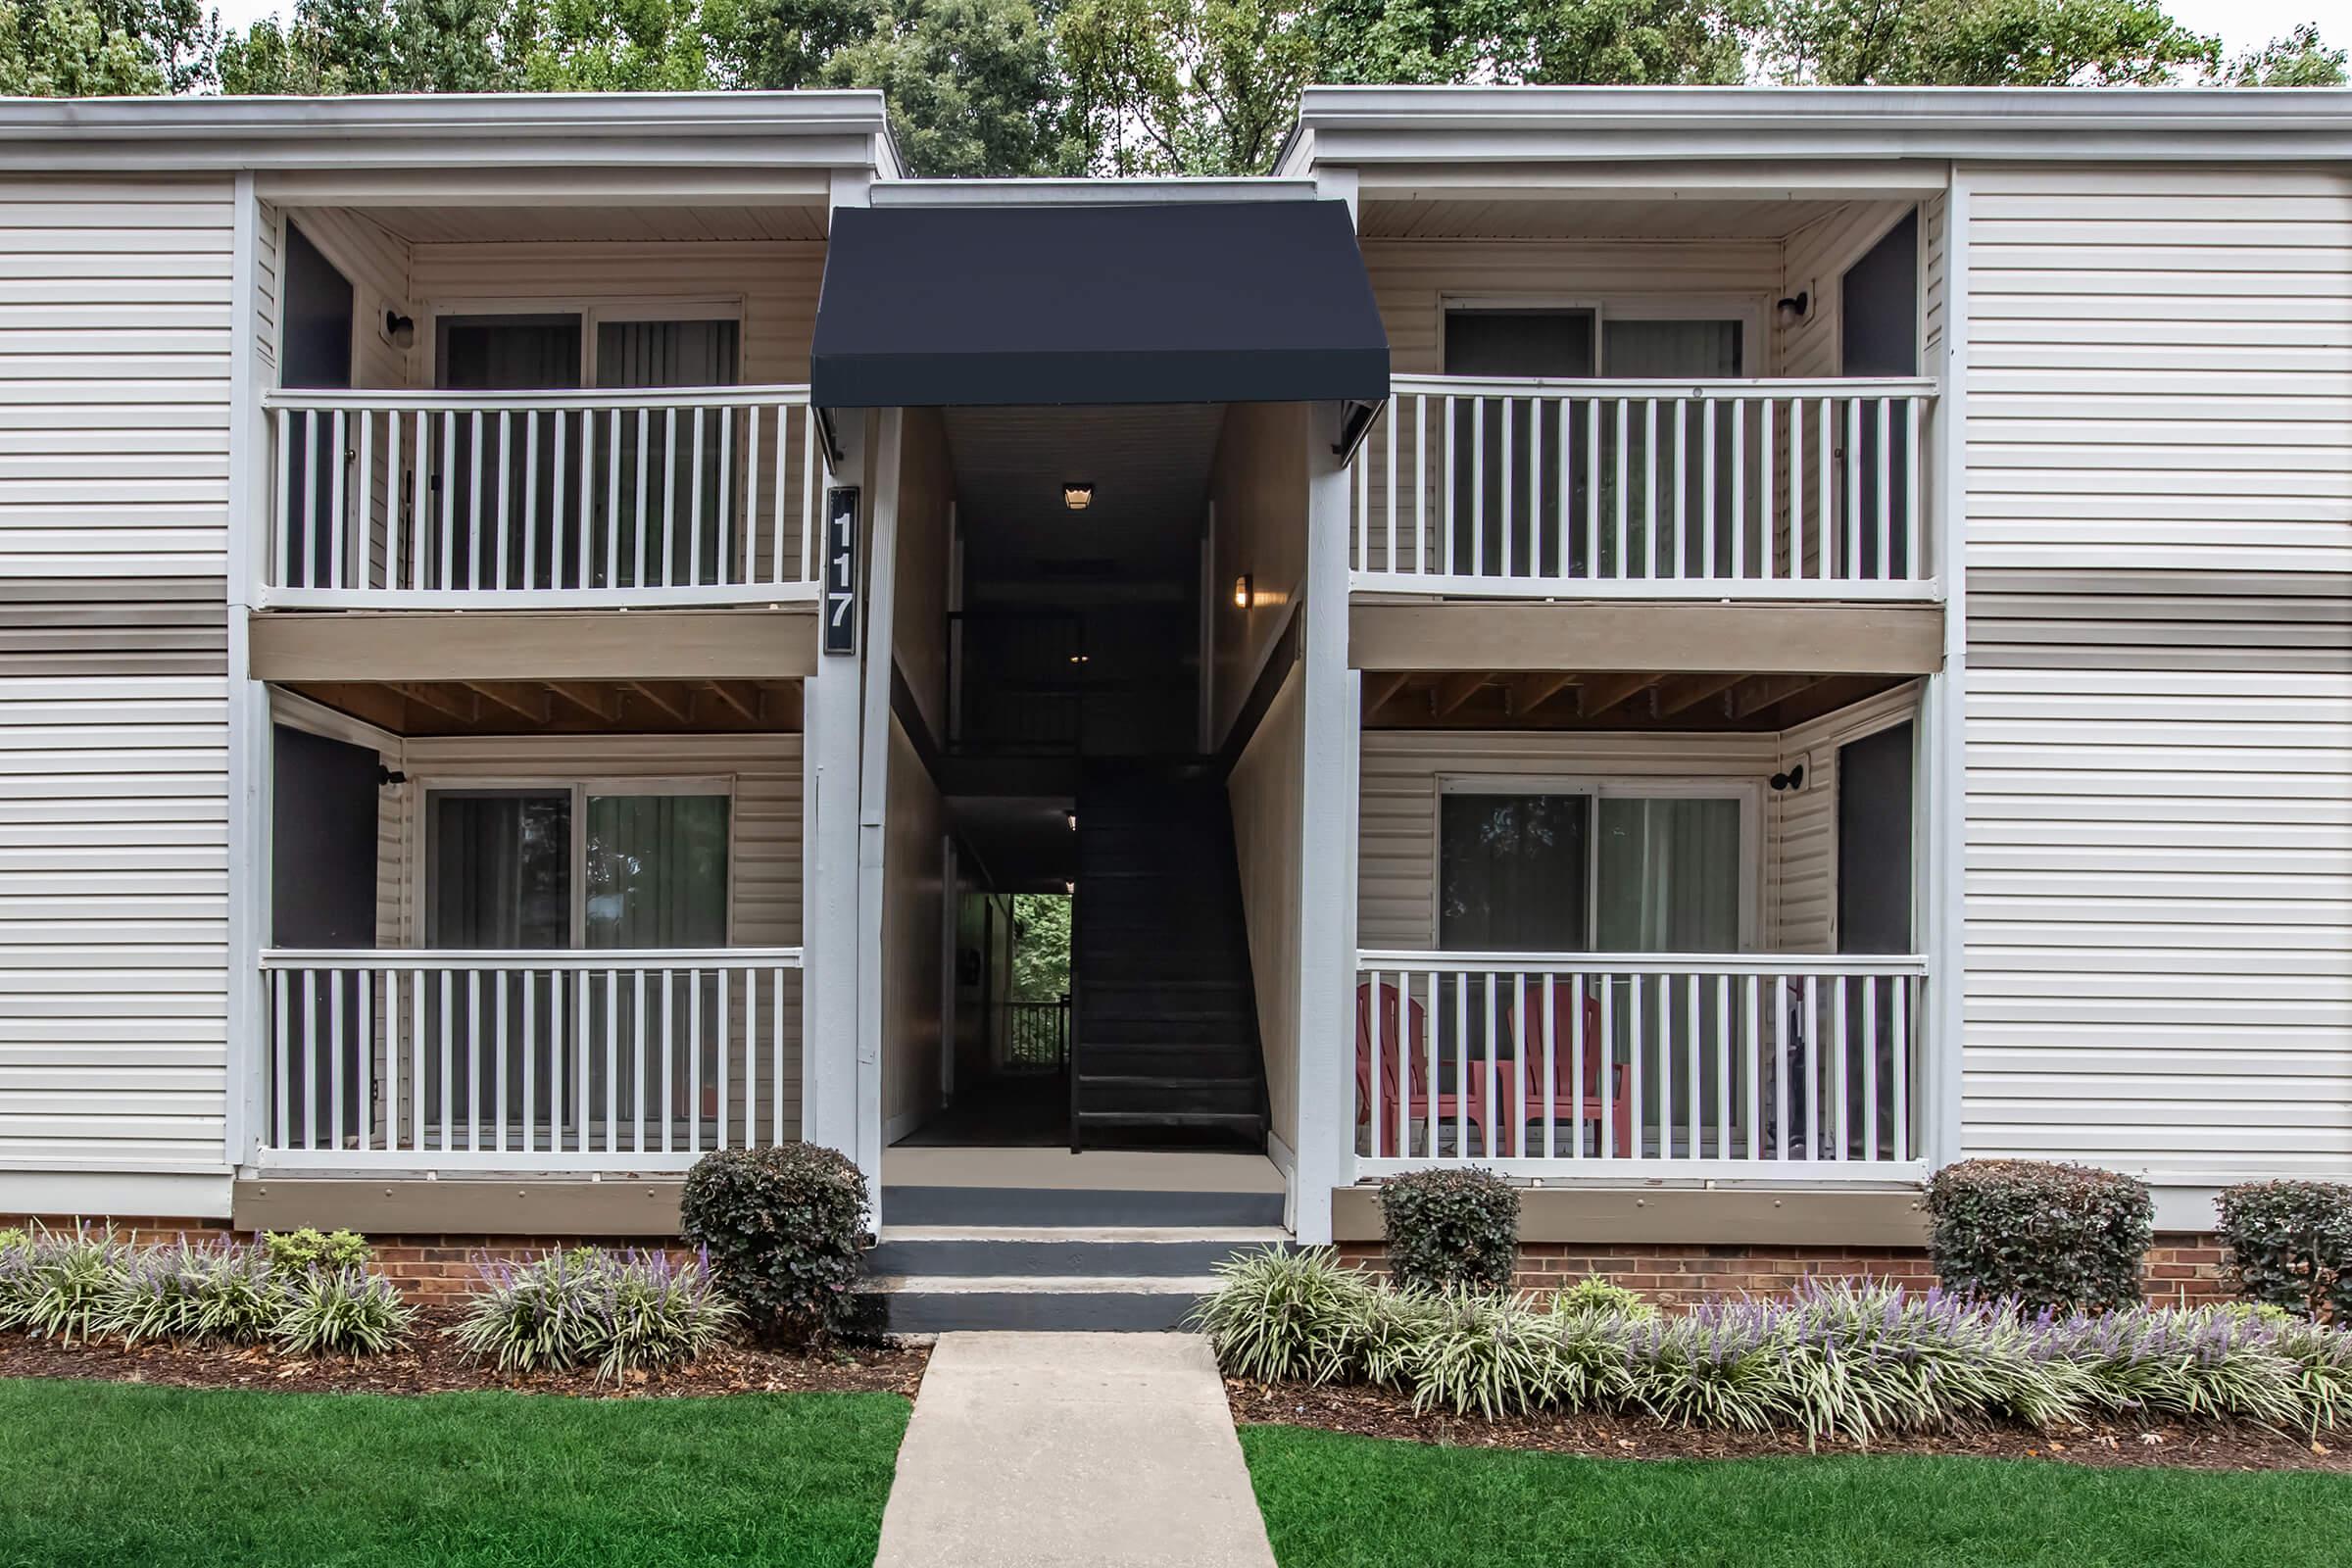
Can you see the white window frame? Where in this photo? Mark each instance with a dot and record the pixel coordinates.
(1748, 791)
(1756, 361)
(579, 789)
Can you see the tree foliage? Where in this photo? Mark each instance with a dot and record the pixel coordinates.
(981, 87)
(1041, 947)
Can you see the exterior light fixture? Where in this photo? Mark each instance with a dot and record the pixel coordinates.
(1073, 820)
(1069, 887)
(1791, 310)
(1243, 592)
(400, 330)
(1078, 494)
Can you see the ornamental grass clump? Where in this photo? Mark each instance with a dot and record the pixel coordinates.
(55, 1283)
(618, 1312)
(1281, 1316)
(344, 1311)
(2180, 1363)
(215, 1291)
(1856, 1360)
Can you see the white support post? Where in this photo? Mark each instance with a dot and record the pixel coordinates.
(1946, 730)
(883, 449)
(829, 992)
(247, 699)
(1321, 1141)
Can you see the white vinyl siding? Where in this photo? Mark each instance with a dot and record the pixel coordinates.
(1803, 893)
(114, 377)
(2160, 693)
(115, 331)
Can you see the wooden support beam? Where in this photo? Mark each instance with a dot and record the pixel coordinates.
(1531, 692)
(663, 700)
(1453, 691)
(441, 700)
(529, 702)
(1760, 692)
(743, 697)
(1603, 692)
(602, 703)
(1378, 688)
(1680, 696)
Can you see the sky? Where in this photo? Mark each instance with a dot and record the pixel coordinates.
(2243, 23)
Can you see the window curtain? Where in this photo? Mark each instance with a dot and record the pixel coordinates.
(671, 354)
(1669, 876)
(656, 871)
(501, 873)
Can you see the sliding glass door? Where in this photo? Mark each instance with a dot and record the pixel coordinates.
(566, 868)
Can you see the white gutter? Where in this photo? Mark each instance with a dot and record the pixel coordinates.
(486, 130)
(1585, 124)
(1148, 190)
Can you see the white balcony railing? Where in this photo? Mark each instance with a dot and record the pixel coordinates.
(514, 500)
(1635, 1065)
(1711, 490)
(539, 1061)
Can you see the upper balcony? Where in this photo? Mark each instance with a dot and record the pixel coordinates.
(454, 499)
(1736, 490)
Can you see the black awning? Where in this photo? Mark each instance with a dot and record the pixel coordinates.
(1229, 302)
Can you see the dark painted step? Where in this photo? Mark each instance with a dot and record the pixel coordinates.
(1036, 1207)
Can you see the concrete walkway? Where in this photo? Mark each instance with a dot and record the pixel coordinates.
(1076, 1449)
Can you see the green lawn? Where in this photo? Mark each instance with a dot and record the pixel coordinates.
(94, 1473)
(1334, 1501)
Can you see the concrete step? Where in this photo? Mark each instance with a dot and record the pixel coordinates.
(956, 1304)
(1064, 1206)
(1047, 1255)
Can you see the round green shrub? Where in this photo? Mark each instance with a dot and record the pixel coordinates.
(783, 1228)
(1450, 1229)
(300, 1251)
(2051, 1237)
(1595, 1295)
(2290, 1245)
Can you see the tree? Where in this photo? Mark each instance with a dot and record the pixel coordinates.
(785, 43)
(1041, 947)
(1517, 41)
(1979, 43)
(2299, 59)
(83, 48)
(614, 46)
(971, 88)
(1183, 86)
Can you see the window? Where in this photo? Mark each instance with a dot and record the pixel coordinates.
(1643, 866)
(576, 866)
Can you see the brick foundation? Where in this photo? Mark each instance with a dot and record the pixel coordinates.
(2179, 1268)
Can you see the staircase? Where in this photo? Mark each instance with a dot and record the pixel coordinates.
(1064, 1259)
(1163, 1045)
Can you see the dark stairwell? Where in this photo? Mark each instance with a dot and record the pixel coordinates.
(1164, 1045)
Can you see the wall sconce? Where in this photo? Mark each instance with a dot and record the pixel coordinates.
(400, 329)
(1793, 780)
(1073, 820)
(1243, 592)
(1078, 494)
(1791, 310)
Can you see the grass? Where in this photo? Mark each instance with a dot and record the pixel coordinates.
(1333, 1501)
(97, 1473)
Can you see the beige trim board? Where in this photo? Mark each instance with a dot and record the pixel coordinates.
(1687, 1217)
(458, 1207)
(1648, 637)
(418, 645)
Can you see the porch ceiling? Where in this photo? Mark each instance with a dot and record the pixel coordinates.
(539, 224)
(1607, 700)
(1535, 217)
(564, 708)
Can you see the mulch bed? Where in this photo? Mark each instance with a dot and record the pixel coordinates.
(431, 1364)
(1374, 1412)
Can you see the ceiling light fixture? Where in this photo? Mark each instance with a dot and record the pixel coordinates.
(1078, 494)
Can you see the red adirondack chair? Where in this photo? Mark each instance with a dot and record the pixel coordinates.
(1527, 1099)
(1411, 1042)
